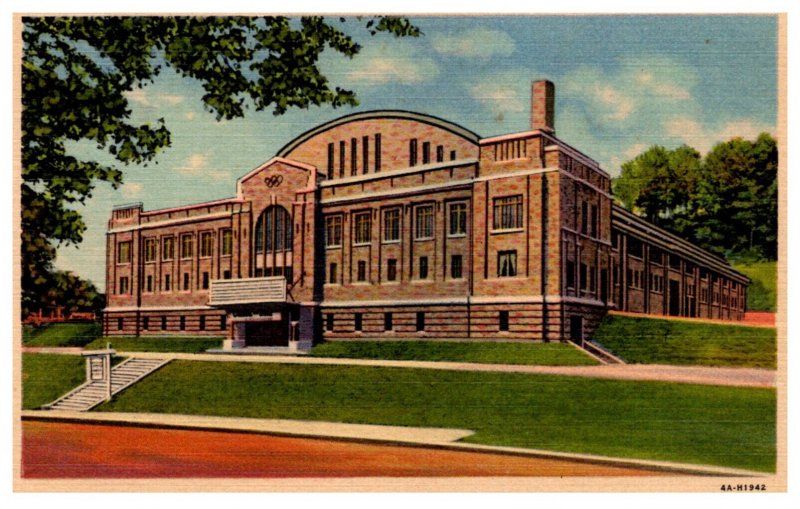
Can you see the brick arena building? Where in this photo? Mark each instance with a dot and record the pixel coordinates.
(392, 224)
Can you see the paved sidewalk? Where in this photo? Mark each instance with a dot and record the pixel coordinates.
(432, 437)
(733, 377)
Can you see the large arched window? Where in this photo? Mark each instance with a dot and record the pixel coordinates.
(274, 230)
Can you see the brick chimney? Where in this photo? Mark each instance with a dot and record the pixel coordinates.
(543, 98)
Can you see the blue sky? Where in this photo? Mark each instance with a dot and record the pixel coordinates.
(623, 83)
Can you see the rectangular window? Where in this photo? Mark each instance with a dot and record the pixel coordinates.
(149, 285)
(503, 319)
(329, 322)
(206, 244)
(458, 219)
(570, 274)
(223, 322)
(168, 248)
(584, 277)
(635, 247)
(341, 158)
(592, 279)
(124, 252)
(123, 285)
(330, 160)
(391, 269)
(426, 152)
(332, 276)
(508, 213)
(388, 322)
(377, 152)
(594, 221)
(226, 247)
(120, 323)
(439, 153)
(420, 321)
(186, 246)
(423, 267)
(202, 322)
(353, 156)
(507, 263)
(186, 281)
(391, 225)
(182, 325)
(412, 152)
(146, 323)
(584, 218)
(359, 322)
(361, 274)
(163, 322)
(452, 155)
(333, 231)
(205, 280)
(166, 282)
(226, 274)
(365, 154)
(424, 224)
(455, 267)
(150, 250)
(363, 225)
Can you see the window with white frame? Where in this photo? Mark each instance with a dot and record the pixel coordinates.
(424, 222)
(391, 225)
(363, 228)
(508, 213)
(333, 231)
(458, 219)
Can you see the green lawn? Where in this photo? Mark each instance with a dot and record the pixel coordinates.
(762, 292)
(45, 377)
(547, 354)
(656, 341)
(61, 334)
(716, 425)
(184, 344)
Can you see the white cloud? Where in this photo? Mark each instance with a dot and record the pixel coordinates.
(498, 96)
(132, 189)
(384, 64)
(194, 165)
(619, 105)
(481, 43)
(190, 115)
(171, 99)
(138, 95)
(691, 132)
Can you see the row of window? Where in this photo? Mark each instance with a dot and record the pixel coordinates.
(506, 267)
(587, 277)
(413, 152)
(148, 287)
(507, 216)
(388, 321)
(589, 219)
(206, 240)
(146, 325)
(354, 156)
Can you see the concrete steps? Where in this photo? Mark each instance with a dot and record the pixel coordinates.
(90, 394)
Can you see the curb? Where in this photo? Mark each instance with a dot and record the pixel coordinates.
(314, 429)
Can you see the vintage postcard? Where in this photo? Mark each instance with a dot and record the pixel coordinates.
(400, 253)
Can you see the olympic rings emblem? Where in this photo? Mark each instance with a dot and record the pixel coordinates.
(273, 180)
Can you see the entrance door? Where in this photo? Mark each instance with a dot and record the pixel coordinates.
(576, 329)
(272, 333)
(674, 298)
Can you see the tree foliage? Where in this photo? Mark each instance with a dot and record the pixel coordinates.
(726, 202)
(77, 70)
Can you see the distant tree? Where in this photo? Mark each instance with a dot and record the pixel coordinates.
(67, 291)
(726, 202)
(736, 209)
(76, 71)
(658, 184)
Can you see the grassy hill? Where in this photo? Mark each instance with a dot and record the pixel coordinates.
(762, 293)
(659, 341)
(61, 334)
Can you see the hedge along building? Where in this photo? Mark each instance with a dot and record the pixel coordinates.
(398, 224)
